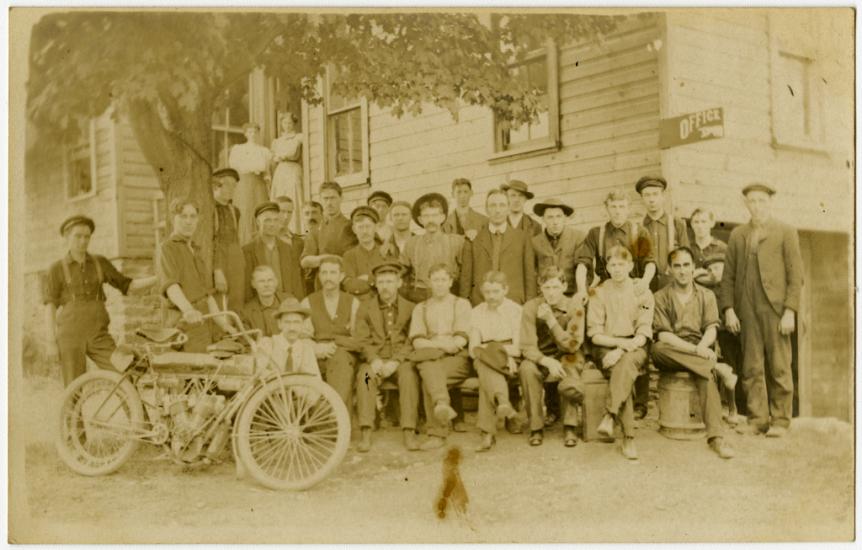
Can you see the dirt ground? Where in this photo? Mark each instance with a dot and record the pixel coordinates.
(799, 488)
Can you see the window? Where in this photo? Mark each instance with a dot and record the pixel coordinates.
(346, 137)
(795, 101)
(539, 72)
(227, 120)
(80, 161)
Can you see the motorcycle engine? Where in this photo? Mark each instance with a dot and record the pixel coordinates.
(190, 414)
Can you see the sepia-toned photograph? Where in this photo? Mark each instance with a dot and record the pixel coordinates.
(437, 275)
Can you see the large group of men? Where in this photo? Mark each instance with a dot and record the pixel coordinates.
(523, 304)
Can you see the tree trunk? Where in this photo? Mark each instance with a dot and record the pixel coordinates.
(180, 163)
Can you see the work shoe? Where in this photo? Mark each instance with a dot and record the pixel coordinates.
(487, 443)
(628, 448)
(443, 412)
(725, 373)
(606, 426)
(749, 429)
(433, 442)
(536, 437)
(721, 448)
(410, 442)
(550, 419)
(513, 426)
(364, 444)
(505, 410)
(459, 426)
(640, 412)
(570, 438)
(776, 431)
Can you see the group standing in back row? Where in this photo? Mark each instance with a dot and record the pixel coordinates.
(500, 295)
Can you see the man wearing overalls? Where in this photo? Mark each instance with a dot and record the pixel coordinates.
(77, 318)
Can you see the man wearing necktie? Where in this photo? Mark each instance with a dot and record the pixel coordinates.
(289, 351)
(499, 247)
(760, 293)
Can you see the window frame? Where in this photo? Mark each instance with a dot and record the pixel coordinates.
(551, 142)
(222, 130)
(69, 151)
(356, 179)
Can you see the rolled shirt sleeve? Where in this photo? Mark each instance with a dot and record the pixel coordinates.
(662, 321)
(463, 311)
(596, 315)
(112, 276)
(417, 323)
(646, 308)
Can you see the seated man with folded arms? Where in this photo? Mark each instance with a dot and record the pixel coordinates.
(333, 318)
(619, 325)
(259, 312)
(495, 349)
(382, 324)
(552, 332)
(686, 324)
(439, 331)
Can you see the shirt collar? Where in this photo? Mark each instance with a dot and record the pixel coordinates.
(515, 219)
(384, 305)
(497, 228)
(661, 219)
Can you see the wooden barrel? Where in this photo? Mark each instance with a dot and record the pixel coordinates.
(679, 407)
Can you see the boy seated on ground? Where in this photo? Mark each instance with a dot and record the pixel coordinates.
(290, 350)
(552, 332)
(619, 325)
(381, 335)
(495, 349)
(439, 331)
(685, 324)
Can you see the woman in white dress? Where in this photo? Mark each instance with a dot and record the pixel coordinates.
(286, 154)
(252, 162)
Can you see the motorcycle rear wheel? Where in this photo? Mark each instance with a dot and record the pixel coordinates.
(292, 433)
(97, 420)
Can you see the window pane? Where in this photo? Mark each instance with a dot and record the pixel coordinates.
(80, 177)
(232, 106)
(347, 142)
(533, 73)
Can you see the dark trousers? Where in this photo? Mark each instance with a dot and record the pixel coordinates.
(437, 377)
(767, 378)
(621, 379)
(339, 372)
(82, 331)
(667, 358)
(731, 354)
(367, 385)
(570, 388)
(199, 336)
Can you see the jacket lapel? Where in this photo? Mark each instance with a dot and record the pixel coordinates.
(508, 239)
(483, 239)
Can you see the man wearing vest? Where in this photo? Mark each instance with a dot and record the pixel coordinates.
(463, 220)
(760, 292)
(333, 318)
(382, 324)
(434, 247)
(518, 194)
(499, 247)
(228, 260)
(359, 260)
(268, 249)
(620, 231)
(665, 232)
(77, 319)
(259, 312)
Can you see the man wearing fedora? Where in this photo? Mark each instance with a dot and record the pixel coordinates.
(289, 350)
(463, 220)
(77, 319)
(760, 292)
(382, 325)
(434, 247)
(359, 260)
(518, 195)
(558, 244)
(666, 232)
(228, 259)
(499, 247)
(268, 249)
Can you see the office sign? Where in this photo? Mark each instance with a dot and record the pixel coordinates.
(691, 128)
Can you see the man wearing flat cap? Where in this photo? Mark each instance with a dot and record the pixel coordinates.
(359, 260)
(380, 201)
(77, 319)
(434, 247)
(268, 249)
(558, 244)
(228, 259)
(518, 195)
(666, 232)
(760, 292)
(382, 326)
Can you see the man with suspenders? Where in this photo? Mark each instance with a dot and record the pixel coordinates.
(77, 318)
(666, 232)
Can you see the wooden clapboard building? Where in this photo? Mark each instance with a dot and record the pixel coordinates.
(773, 106)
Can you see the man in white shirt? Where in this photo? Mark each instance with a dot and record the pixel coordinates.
(290, 350)
(495, 346)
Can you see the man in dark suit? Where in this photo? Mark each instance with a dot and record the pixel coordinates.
(518, 195)
(259, 312)
(268, 249)
(382, 325)
(760, 292)
(499, 247)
